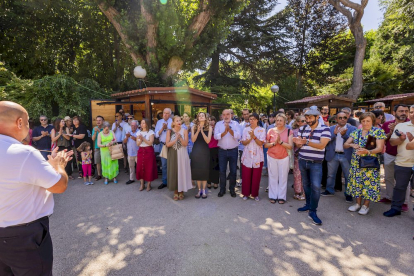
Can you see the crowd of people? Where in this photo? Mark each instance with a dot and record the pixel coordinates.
(318, 149)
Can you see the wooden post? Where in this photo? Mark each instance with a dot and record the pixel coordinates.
(148, 107)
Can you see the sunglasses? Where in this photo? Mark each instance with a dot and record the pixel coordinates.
(43, 119)
(377, 107)
(302, 121)
(342, 118)
(130, 118)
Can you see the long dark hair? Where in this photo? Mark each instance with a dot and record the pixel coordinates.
(56, 124)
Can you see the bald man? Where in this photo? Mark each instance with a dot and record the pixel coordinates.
(27, 184)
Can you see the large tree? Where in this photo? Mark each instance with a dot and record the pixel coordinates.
(166, 38)
(354, 12)
(313, 23)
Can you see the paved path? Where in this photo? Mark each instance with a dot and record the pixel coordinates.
(117, 230)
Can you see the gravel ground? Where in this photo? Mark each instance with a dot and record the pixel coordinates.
(117, 230)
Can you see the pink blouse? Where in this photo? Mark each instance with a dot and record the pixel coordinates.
(253, 153)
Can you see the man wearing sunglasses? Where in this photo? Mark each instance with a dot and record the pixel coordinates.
(337, 156)
(381, 106)
(41, 136)
(351, 121)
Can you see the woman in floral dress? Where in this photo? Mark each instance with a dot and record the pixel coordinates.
(297, 177)
(364, 182)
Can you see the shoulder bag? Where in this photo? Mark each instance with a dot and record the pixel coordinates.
(368, 162)
(116, 152)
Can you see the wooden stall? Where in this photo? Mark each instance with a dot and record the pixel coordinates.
(334, 102)
(151, 101)
(390, 101)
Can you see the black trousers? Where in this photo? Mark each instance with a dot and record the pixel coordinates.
(26, 250)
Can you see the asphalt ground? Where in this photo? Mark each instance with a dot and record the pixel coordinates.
(117, 230)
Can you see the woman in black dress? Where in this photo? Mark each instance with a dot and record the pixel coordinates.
(201, 135)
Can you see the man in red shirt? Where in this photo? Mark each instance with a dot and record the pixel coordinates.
(401, 116)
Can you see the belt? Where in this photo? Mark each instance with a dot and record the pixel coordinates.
(28, 223)
(339, 152)
(312, 161)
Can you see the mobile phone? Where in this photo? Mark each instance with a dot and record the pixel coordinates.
(397, 133)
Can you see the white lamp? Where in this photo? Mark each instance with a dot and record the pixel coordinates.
(140, 72)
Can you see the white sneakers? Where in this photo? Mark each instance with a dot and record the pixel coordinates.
(362, 210)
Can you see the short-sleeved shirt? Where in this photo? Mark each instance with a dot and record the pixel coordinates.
(96, 139)
(360, 140)
(278, 151)
(310, 153)
(146, 135)
(253, 154)
(45, 143)
(81, 129)
(404, 158)
(25, 176)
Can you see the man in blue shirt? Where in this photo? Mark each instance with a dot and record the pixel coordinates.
(41, 135)
(161, 133)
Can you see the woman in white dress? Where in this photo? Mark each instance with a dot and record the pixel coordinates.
(178, 162)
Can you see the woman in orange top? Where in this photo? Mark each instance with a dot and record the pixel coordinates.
(279, 141)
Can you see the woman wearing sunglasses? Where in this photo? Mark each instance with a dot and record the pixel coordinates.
(297, 178)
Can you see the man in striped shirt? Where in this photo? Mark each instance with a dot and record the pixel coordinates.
(312, 140)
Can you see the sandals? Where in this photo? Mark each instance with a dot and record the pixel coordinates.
(204, 196)
(215, 186)
(175, 197)
(198, 195)
(181, 196)
(149, 188)
(209, 186)
(282, 201)
(273, 201)
(142, 188)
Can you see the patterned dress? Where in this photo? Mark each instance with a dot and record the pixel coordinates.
(364, 182)
(297, 177)
(109, 166)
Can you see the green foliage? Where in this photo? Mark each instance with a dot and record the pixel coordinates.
(53, 96)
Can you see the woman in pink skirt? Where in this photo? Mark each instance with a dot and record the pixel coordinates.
(297, 178)
(146, 164)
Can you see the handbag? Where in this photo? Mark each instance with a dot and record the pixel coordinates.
(368, 162)
(116, 152)
(164, 152)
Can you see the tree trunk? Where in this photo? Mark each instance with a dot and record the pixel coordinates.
(361, 44)
(151, 36)
(174, 66)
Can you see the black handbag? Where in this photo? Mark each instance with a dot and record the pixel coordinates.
(367, 162)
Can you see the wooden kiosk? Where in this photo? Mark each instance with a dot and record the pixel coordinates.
(334, 102)
(151, 101)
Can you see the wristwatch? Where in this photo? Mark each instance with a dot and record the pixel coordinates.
(307, 142)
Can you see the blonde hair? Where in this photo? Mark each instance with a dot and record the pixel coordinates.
(206, 124)
(281, 115)
(175, 117)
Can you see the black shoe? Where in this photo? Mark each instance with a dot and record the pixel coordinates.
(348, 199)
(129, 182)
(126, 171)
(162, 186)
(392, 213)
(228, 177)
(233, 193)
(220, 194)
(326, 193)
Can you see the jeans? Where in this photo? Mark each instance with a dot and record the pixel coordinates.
(339, 159)
(45, 154)
(311, 179)
(164, 168)
(229, 156)
(265, 156)
(402, 180)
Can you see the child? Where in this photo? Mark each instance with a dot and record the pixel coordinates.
(86, 154)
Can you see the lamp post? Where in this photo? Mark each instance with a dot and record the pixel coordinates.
(140, 74)
(274, 89)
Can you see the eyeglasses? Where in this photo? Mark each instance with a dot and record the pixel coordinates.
(129, 118)
(302, 121)
(43, 120)
(377, 107)
(342, 118)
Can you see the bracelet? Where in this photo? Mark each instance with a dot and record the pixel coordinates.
(254, 138)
